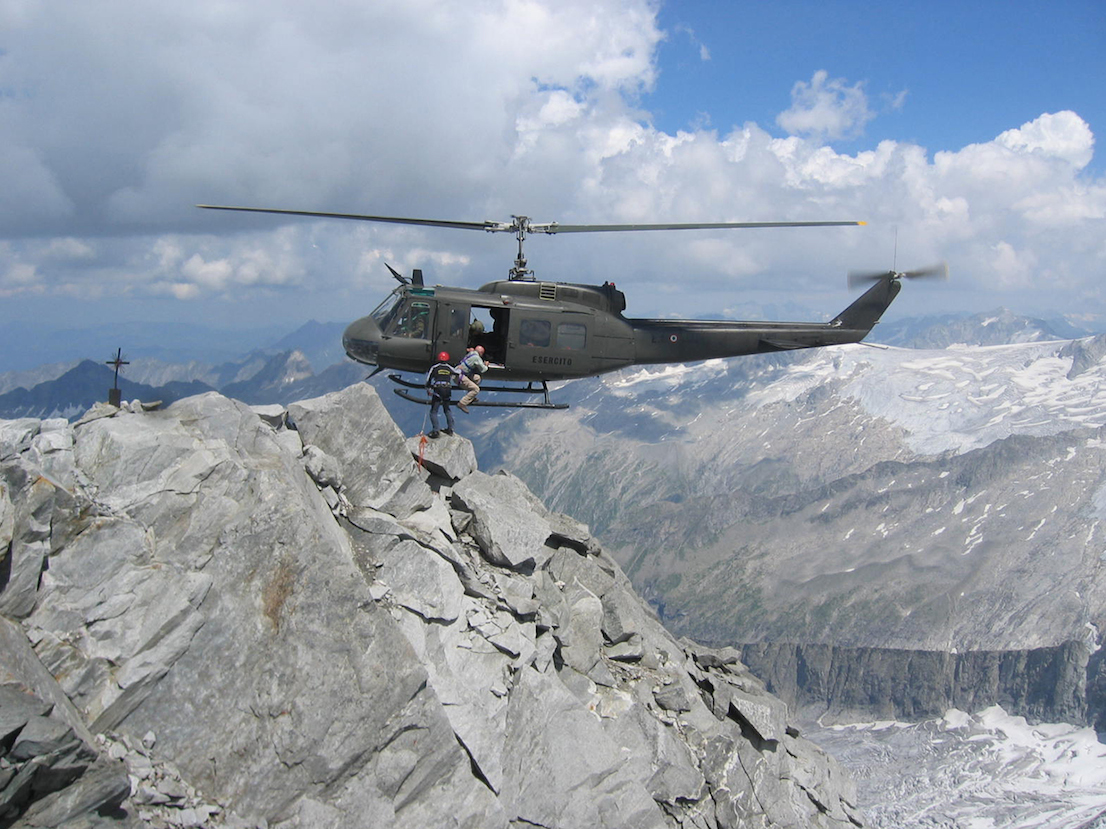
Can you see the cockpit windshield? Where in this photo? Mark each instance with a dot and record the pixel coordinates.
(386, 310)
(401, 315)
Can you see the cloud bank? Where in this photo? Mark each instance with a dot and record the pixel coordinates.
(117, 117)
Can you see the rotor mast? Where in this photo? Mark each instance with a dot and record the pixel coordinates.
(520, 273)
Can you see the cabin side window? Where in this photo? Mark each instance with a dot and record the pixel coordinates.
(458, 318)
(572, 335)
(535, 333)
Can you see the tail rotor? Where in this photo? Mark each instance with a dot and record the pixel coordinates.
(938, 271)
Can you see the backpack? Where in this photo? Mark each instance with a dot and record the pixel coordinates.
(441, 377)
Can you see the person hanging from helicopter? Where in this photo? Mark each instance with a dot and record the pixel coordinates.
(472, 366)
(439, 387)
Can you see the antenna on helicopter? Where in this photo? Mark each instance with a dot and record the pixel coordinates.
(416, 276)
(400, 278)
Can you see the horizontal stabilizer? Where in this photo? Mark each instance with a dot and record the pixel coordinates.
(777, 344)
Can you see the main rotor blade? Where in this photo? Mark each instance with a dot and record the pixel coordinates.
(521, 224)
(358, 217)
(554, 227)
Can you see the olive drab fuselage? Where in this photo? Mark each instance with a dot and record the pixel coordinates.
(536, 331)
(545, 331)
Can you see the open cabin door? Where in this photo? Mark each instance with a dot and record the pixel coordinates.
(488, 326)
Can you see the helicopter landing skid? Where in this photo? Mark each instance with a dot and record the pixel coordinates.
(545, 403)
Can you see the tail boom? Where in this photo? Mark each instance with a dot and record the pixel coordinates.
(683, 341)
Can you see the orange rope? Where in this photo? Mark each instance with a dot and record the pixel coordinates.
(422, 448)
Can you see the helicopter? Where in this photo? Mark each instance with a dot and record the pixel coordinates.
(536, 332)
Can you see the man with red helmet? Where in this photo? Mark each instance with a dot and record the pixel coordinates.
(439, 387)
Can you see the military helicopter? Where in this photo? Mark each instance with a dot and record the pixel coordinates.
(535, 332)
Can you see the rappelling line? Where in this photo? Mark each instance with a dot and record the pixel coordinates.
(423, 440)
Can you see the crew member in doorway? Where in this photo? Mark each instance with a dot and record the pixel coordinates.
(476, 333)
(471, 367)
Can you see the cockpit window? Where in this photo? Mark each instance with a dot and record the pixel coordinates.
(386, 310)
(403, 317)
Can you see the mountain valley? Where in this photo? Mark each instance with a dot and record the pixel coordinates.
(923, 500)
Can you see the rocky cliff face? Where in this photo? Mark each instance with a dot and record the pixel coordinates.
(218, 619)
(846, 685)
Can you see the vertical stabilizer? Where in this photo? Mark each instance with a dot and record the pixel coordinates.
(866, 311)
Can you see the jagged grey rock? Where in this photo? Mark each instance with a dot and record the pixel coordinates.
(29, 542)
(1085, 355)
(51, 771)
(581, 638)
(323, 469)
(545, 751)
(449, 457)
(421, 581)
(354, 422)
(259, 655)
(505, 524)
(16, 435)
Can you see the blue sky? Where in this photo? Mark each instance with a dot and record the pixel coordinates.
(940, 74)
(966, 131)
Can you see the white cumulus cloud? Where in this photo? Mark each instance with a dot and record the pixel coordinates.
(826, 108)
(113, 126)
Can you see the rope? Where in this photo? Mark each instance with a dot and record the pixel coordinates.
(423, 441)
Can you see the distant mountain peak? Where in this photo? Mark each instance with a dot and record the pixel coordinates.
(1000, 326)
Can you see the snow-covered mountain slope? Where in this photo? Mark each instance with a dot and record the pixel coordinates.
(986, 770)
(945, 499)
(954, 399)
(998, 327)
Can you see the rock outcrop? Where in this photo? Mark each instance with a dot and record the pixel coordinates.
(230, 620)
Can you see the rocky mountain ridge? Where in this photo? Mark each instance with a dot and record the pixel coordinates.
(258, 379)
(214, 617)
